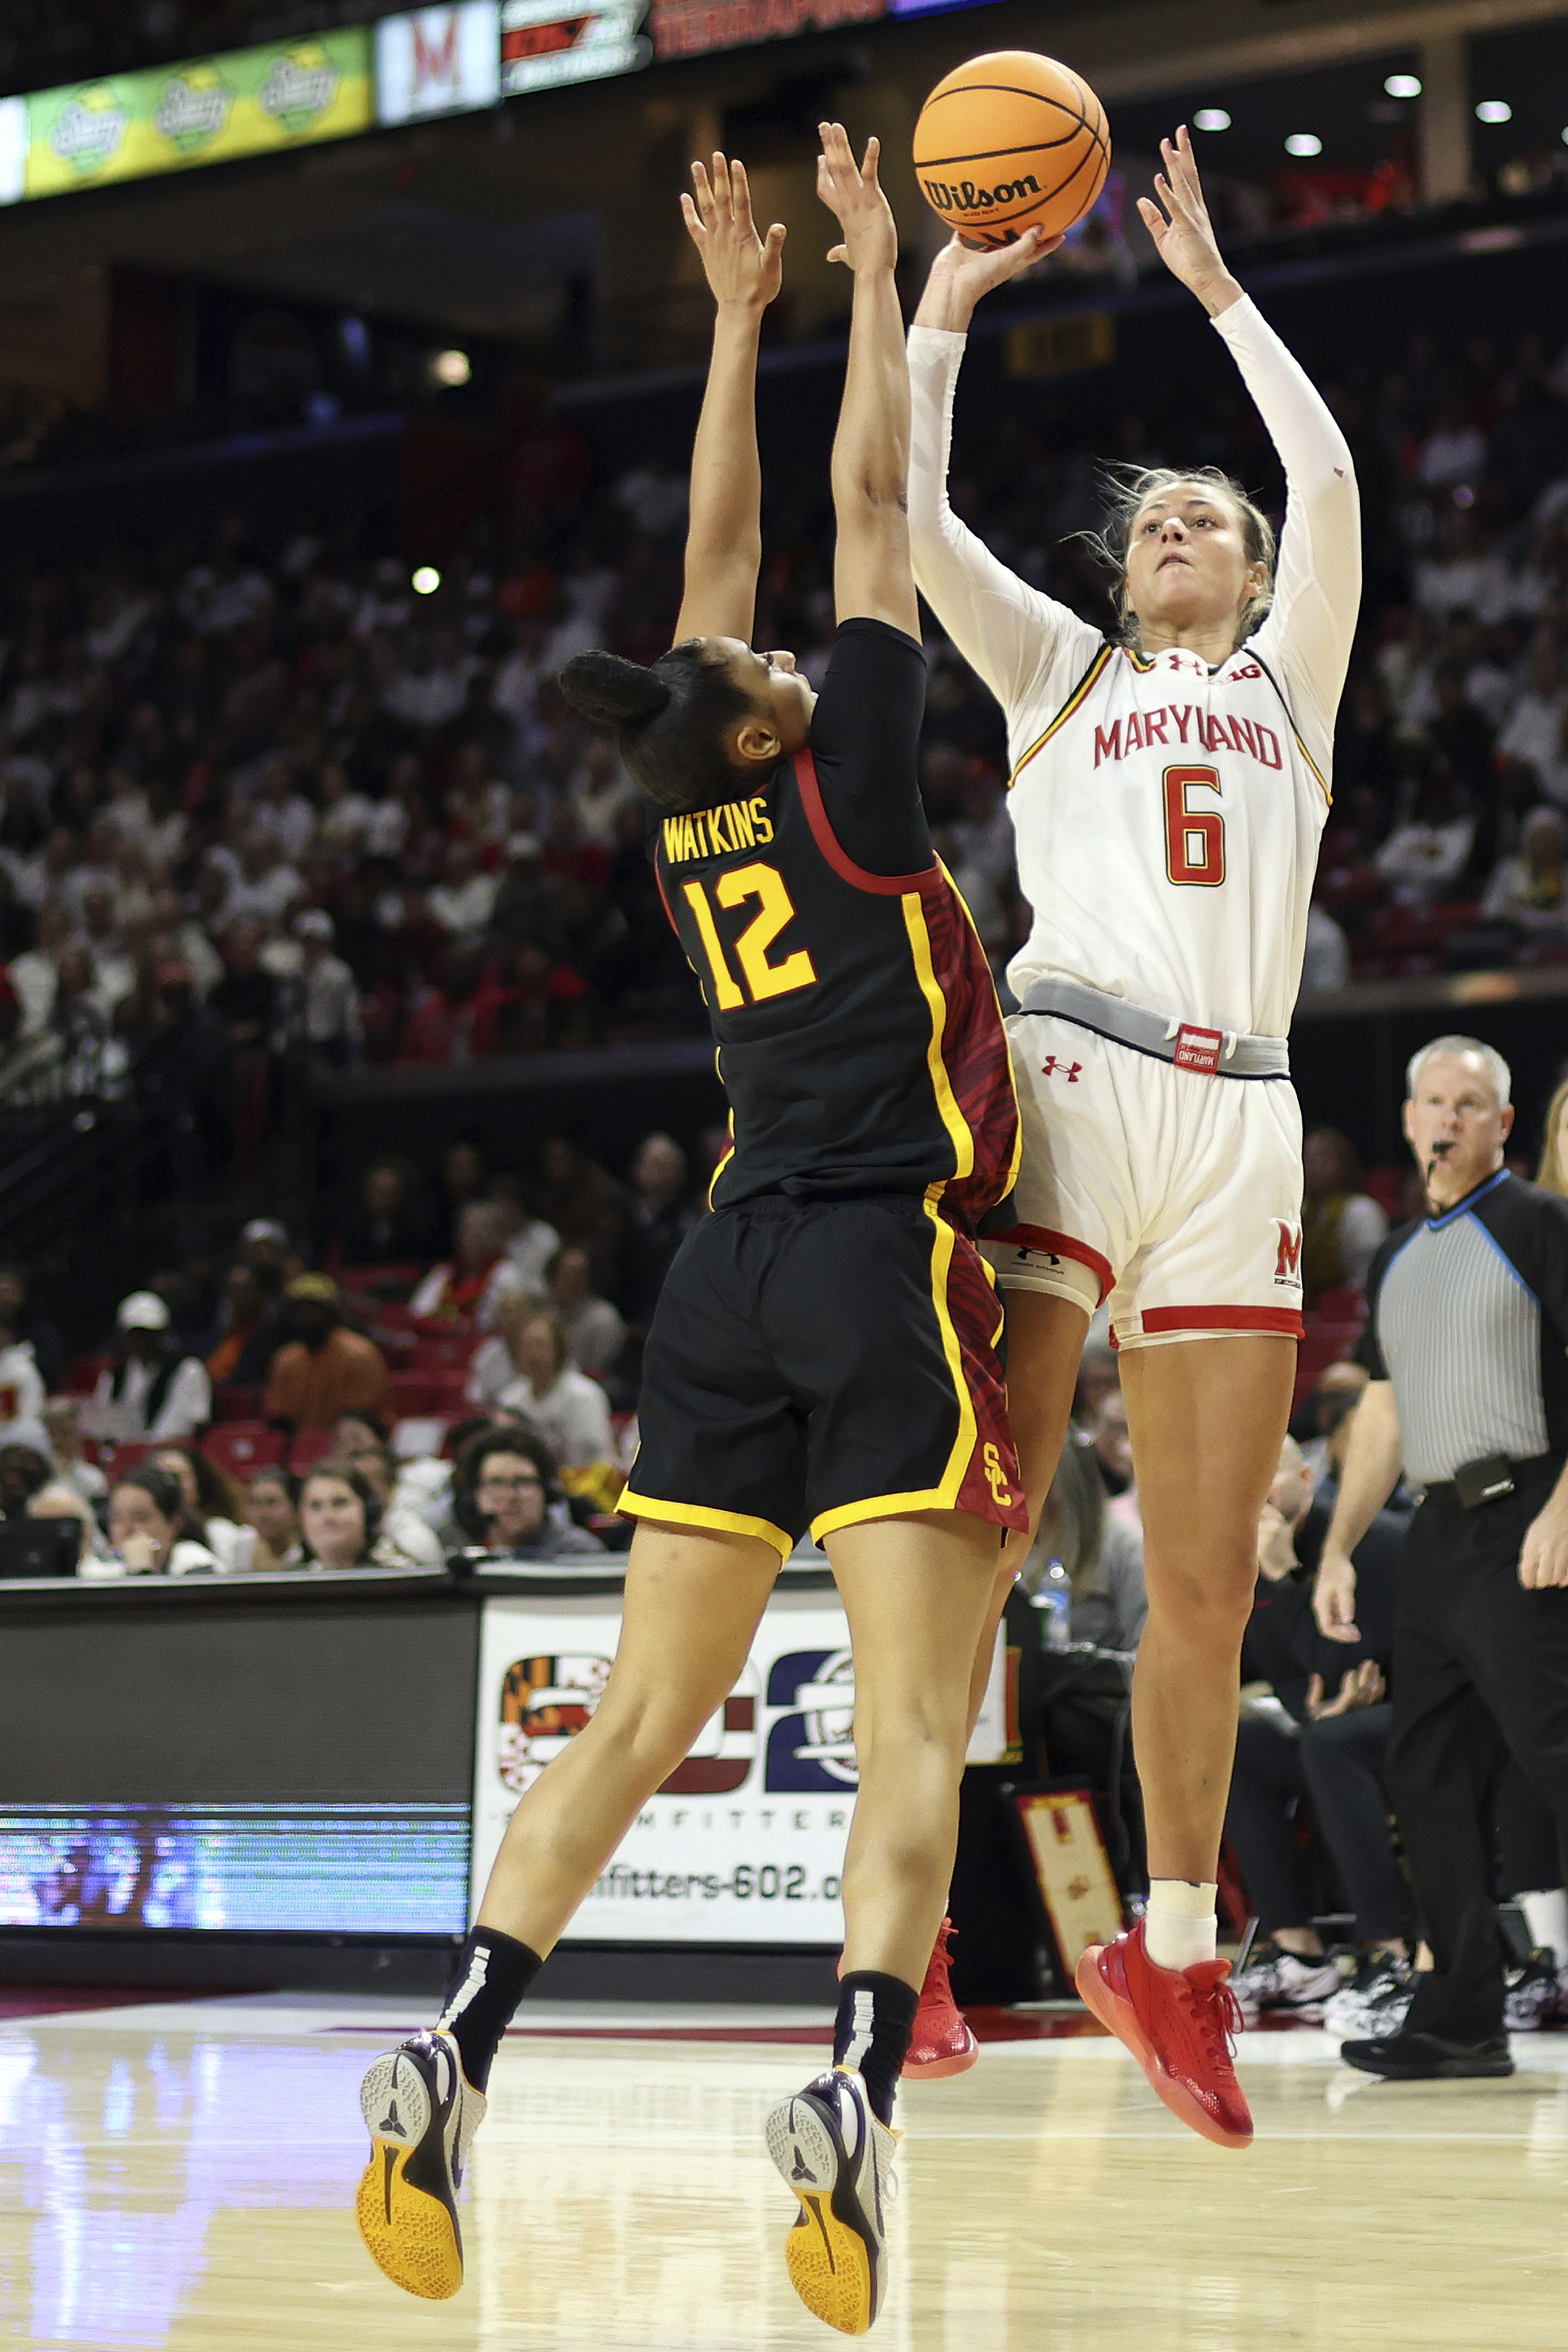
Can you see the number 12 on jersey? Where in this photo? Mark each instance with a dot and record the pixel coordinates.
(1194, 837)
(775, 911)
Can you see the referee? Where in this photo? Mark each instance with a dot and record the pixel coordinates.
(1466, 1343)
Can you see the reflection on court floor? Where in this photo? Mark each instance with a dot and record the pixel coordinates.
(180, 2177)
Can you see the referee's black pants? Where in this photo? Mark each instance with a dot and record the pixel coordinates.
(1480, 1673)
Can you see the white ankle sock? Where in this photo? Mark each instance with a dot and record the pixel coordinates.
(1180, 1926)
(1546, 1917)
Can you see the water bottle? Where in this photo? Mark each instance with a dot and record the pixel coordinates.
(1055, 1598)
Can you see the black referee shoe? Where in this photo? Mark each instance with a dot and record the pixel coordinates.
(1427, 2057)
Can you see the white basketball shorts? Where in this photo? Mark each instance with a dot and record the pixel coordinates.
(1175, 1196)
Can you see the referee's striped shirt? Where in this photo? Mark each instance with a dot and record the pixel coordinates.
(1468, 1316)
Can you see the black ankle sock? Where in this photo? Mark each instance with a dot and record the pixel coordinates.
(492, 1974)
(872, 2031)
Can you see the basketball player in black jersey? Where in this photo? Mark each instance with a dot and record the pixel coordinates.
(824, 1352)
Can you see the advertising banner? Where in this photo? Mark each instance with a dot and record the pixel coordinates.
(690, 28)
(744, 1842)
(544, 44)
(251, 102)
(12, 150)
(437, 61)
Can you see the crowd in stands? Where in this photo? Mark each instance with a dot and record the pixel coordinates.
(264, 809)
(385, 1406)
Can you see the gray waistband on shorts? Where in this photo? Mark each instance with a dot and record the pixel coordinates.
(1214, 1053)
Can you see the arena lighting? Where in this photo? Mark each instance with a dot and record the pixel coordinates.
(1403, 86)
(1211, 118)
(1494, 110)
(451, 368)
(426, 580)
(1303, 143)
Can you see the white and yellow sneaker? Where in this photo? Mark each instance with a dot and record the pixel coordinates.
(830, 2148)
(422, 2114)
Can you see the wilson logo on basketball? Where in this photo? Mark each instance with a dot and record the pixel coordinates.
(946, 196)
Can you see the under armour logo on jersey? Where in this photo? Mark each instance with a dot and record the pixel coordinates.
(1053, 1067)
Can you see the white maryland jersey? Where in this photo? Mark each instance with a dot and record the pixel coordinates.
(1167, 814)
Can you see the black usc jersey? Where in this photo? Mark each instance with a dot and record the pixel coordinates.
(860, 1042)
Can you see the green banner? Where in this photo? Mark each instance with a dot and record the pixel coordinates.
(251, 102)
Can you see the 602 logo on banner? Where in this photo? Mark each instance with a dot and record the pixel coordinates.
(744, 1841)
(545, 1701)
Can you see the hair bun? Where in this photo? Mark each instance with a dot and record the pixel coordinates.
(612, 691)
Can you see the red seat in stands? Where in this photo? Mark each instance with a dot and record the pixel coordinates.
(243, 1447)
(116, 1460)
(413, 1394)
(439, 1351)
(309, 1446)
(237, 1404)
(381, 1280)
(1386, 1187)
(1325, 1344)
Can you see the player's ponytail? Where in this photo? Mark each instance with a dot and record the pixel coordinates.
(669, 718)
(612, 691)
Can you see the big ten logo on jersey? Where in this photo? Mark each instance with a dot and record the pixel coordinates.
(544, 1702)
(813, 1746)
(1287, 1254)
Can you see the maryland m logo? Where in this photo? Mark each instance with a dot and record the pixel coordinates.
(1287, 1261)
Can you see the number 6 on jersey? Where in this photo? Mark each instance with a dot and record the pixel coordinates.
(1194, 837)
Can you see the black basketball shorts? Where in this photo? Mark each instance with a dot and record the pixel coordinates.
(819, 1363)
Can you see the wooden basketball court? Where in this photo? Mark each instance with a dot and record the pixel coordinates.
(182, 2176)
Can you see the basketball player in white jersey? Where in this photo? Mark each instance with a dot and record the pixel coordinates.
(1169, 790)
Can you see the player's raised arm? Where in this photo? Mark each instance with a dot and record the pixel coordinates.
(872, 576)
(1005, 630)
(1317, 583)
(724, 532)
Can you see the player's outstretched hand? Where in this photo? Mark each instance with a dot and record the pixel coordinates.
(960, 275)
(1182, 233)
(741, 267)
(854, 196)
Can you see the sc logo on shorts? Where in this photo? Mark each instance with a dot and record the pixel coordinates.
(813, 1748)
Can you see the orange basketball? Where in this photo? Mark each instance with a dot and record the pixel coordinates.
(1011, 141)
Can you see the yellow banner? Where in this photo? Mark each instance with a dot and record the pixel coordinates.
(251, 102)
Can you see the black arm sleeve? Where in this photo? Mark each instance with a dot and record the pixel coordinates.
(865, 741)
(1368, 1350)
(1532, 1227)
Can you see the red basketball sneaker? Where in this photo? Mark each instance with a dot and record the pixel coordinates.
(942, 2044)
(1179, 2024)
